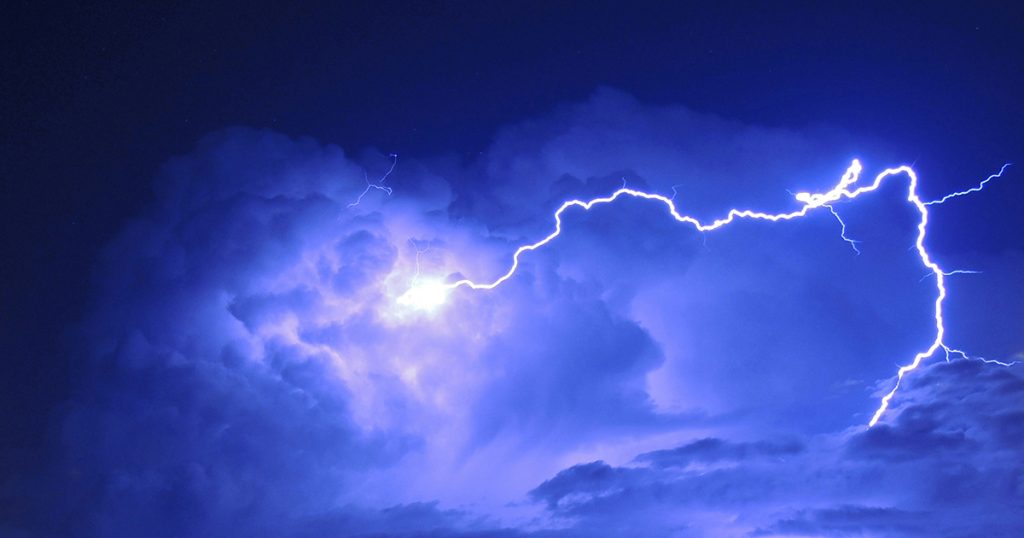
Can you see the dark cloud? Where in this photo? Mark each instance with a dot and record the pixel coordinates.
(850, 521)
(591, 479)
(916, 430)
(404, 521)
(710, 450)
(175, 447)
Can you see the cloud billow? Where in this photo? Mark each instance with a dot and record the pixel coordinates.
(247, 368)
(938, 468)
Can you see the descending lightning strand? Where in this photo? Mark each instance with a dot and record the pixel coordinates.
(842, 230)
(810, 202)
(419, 252)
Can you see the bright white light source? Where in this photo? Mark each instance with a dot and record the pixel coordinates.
(425, 295)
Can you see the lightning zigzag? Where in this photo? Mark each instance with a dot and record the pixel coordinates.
(846, 189)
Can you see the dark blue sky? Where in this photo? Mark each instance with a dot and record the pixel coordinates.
(123, 216)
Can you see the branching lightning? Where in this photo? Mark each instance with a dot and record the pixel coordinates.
(951, 273)
(972, 189)
(846, 189)
(963, 354)
(379, 185)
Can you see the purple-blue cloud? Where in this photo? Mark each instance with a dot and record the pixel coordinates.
(248, 368)
(945, 465)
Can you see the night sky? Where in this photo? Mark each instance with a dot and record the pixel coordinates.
(203, 334)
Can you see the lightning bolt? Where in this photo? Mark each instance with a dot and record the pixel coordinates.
(842, 230)
(846, 189)
(419, 252)
(951, 351)
(972, 189)
(951, 273)
(379, 185)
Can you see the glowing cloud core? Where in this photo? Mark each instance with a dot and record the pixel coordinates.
(427, 295)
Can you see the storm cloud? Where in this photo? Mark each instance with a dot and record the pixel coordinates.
(246, 368)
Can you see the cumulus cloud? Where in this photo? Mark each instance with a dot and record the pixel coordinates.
(941, 466)
(248, 369)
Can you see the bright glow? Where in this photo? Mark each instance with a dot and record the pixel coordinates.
(431, 295)
(426, 295)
